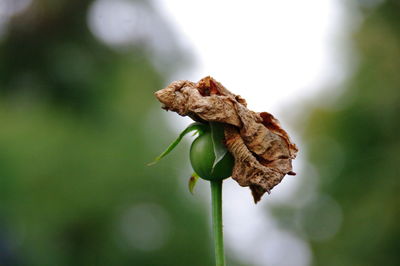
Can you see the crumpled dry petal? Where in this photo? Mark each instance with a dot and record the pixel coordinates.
(262, 150)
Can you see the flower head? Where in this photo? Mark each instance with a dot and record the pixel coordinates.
(262, 150)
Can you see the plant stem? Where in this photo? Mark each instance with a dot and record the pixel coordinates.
(216, 202)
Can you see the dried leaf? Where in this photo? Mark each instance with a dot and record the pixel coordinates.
(262, 150)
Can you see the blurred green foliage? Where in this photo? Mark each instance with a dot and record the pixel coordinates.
(76, 134)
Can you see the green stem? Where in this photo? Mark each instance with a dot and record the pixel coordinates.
(216, 202)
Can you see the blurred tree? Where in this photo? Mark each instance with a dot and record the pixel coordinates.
(75, 138)
(354, 148)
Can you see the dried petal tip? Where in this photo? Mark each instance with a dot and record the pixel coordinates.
(262, 150)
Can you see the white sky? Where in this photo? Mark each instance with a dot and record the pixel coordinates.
(272, 52)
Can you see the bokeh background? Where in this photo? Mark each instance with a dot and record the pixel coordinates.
(78, 123)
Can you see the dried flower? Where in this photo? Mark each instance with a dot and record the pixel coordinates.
(262, 150)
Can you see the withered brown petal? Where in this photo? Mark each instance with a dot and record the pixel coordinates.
(262, 150)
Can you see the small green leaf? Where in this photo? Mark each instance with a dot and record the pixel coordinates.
(199, 127)
(217, 135)
(192, 181)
